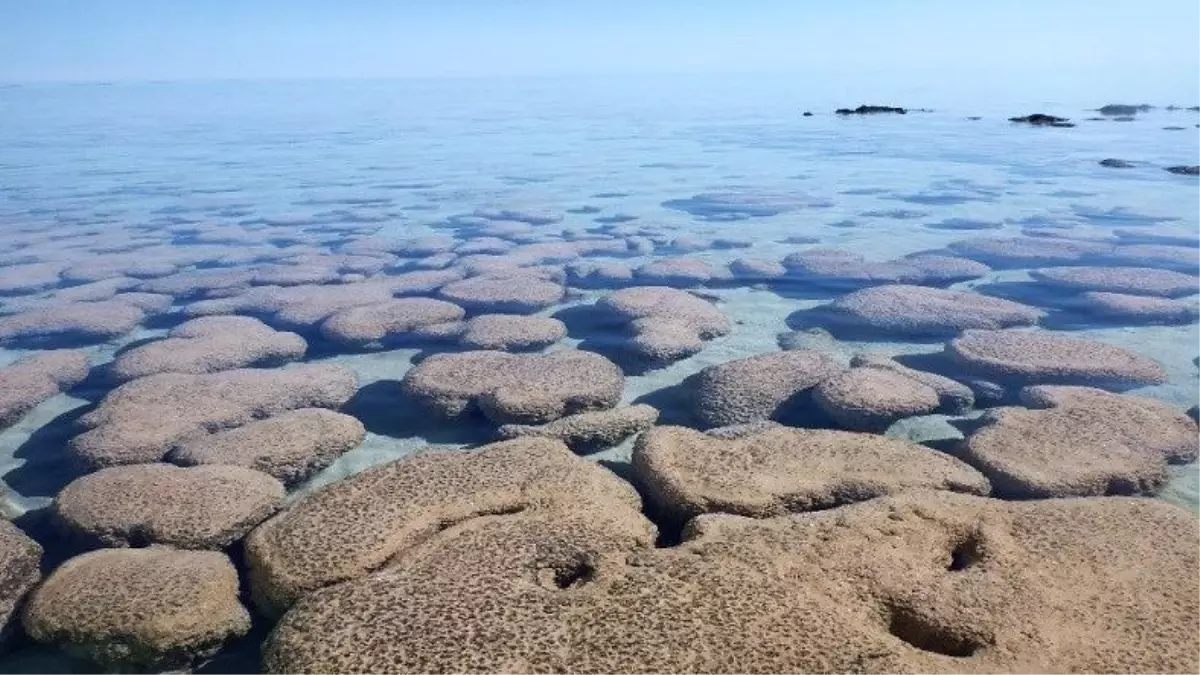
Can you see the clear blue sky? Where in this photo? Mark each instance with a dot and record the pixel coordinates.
(1121, 43)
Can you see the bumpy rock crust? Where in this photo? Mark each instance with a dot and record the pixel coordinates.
(920, 310)
(590, 430)
(779, 470)
(143, 504)
(757, 387)
(33, 379)
(515, 388)
(1040, 357)
(74, 321)
(872, 399)
(356, 526)
(918, 582)
(509, 332)
(666, 324)
(208, 345)
(20, 570)
(291, 446)
(387, 323)
(503, 295)
(1127, 280)
(153, 608)
(142, 420)
(1078, 441)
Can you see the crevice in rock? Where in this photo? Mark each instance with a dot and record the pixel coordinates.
(919, 633)
(965, 553)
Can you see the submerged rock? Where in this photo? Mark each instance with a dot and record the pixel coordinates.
(1184, 170)
(1127, 280)
(1040, 357)
(510, 332)
(20, 571)
(1116, 163)
(1124, 110)
(872, 399)
(922, 310)
(666, 324)
(758, 387)
(32, 379)
(870, 110)
(1078, 441)
(152, 608)
(676, 272)
(514, 388)
(1042, 120)
(208, 345)
(955, 398)
(780, 470)
(70, 323)
(1137, 309)
(503, 294)
(589, 431)
(389, 323)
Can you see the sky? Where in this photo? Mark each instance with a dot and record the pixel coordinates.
(1139, 46)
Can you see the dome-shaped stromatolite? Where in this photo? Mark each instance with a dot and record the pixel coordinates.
(1079, 442)
(20, 570)
(142, 504)
(590, 430)
(355, 526)
(208, 345)
(757, 387)
(607, 274)
(677, 272)
(151, 608)
(1127, 280)
(511, 332)
(753, 269)
(667, 324)
(1137, 309)
(388, 323)
(921, 310)
(291, 446)
(77, 322)
(516, 388)
(872, 399)
(1003, 252)
(140, 421)
(955, 397)
(918, 582)
(781, 470)
(33, 379)
(1040, 357)
(502, 294)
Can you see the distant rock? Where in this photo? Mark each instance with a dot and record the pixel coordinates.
(974, 118)
(807, 114)
(1042, 120)
(1124, 118)
(870, 110)
(1116, 163)
(1123, 109)
(1184, 170)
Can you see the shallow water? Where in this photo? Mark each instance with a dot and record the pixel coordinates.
(407, 155)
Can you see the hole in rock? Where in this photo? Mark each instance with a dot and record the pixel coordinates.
(930, 638)
(573, 573)
(965, 553)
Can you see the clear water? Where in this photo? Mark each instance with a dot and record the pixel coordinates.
(425, 150)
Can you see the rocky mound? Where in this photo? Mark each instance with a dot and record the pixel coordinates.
(291, 446)
(208, 345)
(1078, 442)
(30, 278)
(153, 608)
(501, 295)
(675, 272)
(756, 388)
(509, 332)
(356, 526)
(665, 324)
(1042, 120)
(140, 421)
(1009, 252)
(1137, 309)
(1040, 357)
(388, 324)
(753, 269)
(955, 398)
(920, 310)
(294, 306)
(919, 582)
(780, 470)
(33, 379)
(1127, 280)
(20, 570)
(835, 267)
(515, 388)
(145, 504)
(70, 322)
(599, 275)
(589, 431)
(872, 399)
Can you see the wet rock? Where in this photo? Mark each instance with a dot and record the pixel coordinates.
(291, 446)
(387, 324)
(20, 570)
(419, 247)
(1040, 357)
(939, 270)
(1010, 252)
(840, 268)
(872, 399)
(1123, 110)
(1182, 258)
(514, 388)
(154, 608)
(955, 398)
(964, 224)
(422, 282)
(142, 420)
(198, 283)
(1127, 280)
(33, 379)
(921, 582)
(300, 307)
(145, 504)
(30, 278)
(666, 324)
(1184, 170)
(1137, 309)
(589, 431)
(530, 216)
(870, 110)
(1116, 163)
(599, 275)
(783, 470)
(753, 269)
(500, 295)
(921, 310)
(208, 345)
(512, 333)
(1078, 441)
(354, 527)
(728, 206)
(1042, 120)
(675, 272)
(70, 323)
(758, 387)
